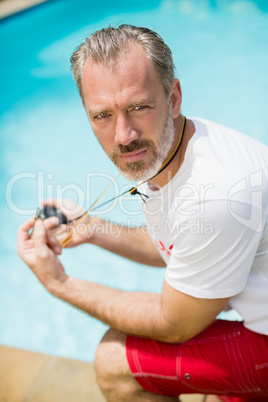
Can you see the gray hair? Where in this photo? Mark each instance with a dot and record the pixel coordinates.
(106, 45)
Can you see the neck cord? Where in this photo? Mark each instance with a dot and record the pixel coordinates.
(165, 164)
(132, 191)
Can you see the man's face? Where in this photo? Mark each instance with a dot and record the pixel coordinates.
(129, 113)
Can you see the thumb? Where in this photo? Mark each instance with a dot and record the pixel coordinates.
(39, 238)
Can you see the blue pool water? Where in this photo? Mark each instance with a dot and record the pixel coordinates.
(47, 147)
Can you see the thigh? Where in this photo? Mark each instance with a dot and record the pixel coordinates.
(111, 354)
(225, 359)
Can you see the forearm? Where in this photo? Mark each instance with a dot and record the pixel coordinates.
(132, 243)
(170, 317)
(137, 313)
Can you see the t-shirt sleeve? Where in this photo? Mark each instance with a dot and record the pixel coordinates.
(213, 251)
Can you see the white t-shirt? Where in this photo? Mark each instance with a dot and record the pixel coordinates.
(210, 221)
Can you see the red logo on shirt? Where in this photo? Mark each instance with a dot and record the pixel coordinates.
(163, 248)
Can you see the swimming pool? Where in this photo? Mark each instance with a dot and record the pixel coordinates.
(220, 50)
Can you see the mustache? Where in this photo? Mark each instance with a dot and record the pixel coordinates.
(133, 146)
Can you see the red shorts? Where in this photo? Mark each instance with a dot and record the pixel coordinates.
(226, 359)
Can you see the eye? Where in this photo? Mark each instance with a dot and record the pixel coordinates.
(141, 109)
(102, 116)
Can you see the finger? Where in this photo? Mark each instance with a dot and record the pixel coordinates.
(51, 223)
(58, 233)
(54, 244)
(23, 231)
(39, 238)
(56, 250)
(62, 238)
(51, 240)
(58, 230)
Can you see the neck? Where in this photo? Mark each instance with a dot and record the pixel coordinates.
(175, 158)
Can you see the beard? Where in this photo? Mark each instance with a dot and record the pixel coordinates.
(137, 171)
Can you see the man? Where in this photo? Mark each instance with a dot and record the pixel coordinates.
(207, 221)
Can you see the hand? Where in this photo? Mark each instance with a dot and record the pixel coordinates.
(35, 252)
(71, 211)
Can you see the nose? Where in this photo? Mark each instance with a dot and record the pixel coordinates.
(125, 132)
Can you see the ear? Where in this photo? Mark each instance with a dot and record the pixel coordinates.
(175, 98)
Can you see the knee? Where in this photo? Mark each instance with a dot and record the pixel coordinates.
(110, 359)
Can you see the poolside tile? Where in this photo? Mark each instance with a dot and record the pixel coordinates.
(19, 369)
(66, 380)
(34, 377)
(192, 398)
(9, 7)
